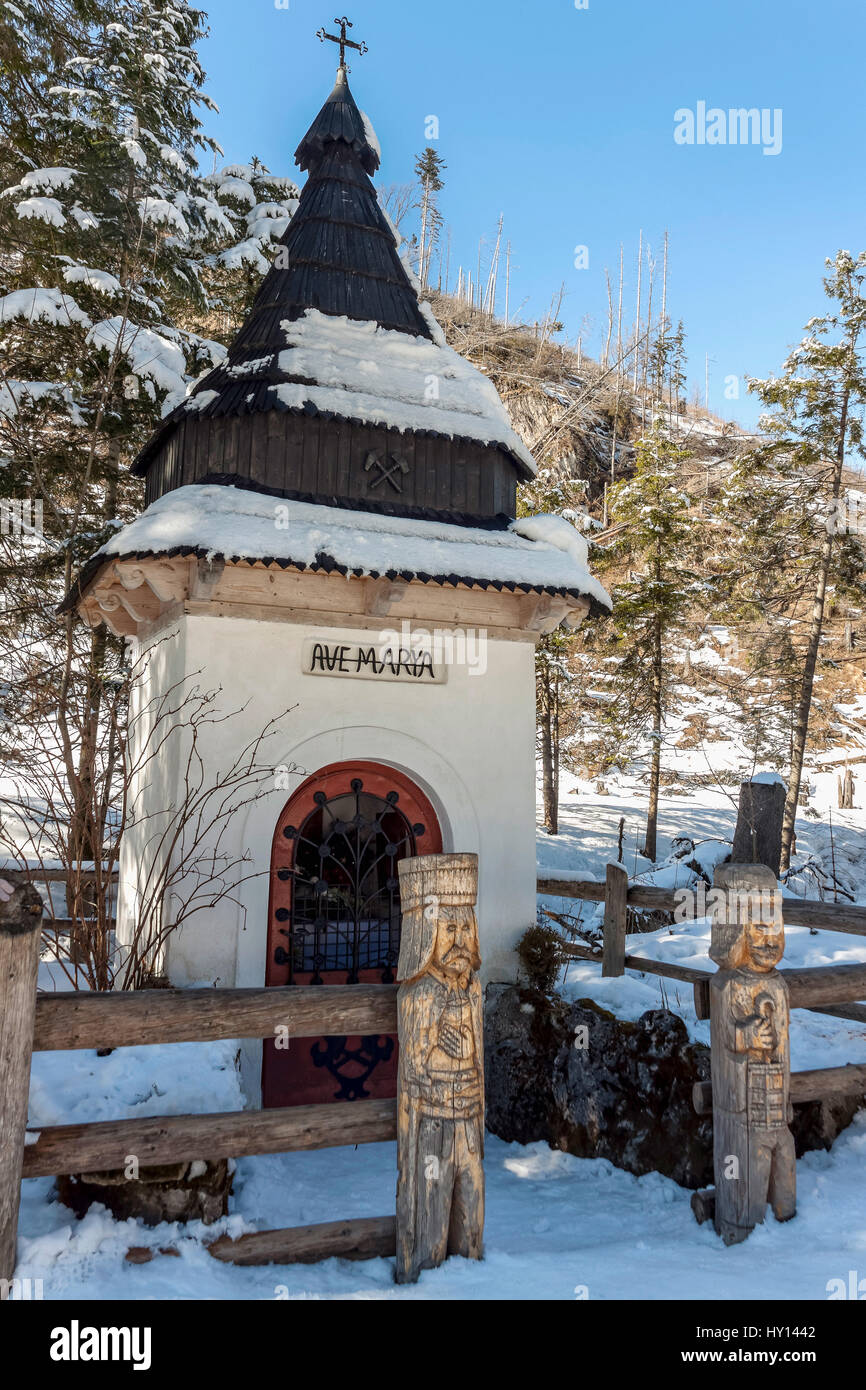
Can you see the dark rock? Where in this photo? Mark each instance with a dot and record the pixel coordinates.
(171, 1192)
(599, 1087)
(817, 1123)
(623, 1091)
(524, 1031)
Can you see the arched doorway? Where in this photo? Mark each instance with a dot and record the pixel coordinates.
(334, 918)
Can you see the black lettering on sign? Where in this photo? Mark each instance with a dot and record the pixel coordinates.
(409, 666)
(367, 658)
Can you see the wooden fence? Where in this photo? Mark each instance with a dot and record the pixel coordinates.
(58, 927)
(55, 1022)
(830, 989)
(65, 1021)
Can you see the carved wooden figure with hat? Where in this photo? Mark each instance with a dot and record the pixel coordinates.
(440, 1188)
(753, 1155)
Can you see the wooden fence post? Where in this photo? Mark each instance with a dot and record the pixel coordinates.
(753, 1148)
(440, 1096)
(615, 920)
(20, 937)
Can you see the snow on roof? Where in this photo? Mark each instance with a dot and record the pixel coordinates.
(359, 371)
(236, 524)
(372, 137)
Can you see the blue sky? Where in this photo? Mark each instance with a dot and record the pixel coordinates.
(563, 120)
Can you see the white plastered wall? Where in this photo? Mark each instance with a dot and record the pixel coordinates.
(468, 744)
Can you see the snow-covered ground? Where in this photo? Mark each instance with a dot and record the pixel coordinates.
(557, 1227)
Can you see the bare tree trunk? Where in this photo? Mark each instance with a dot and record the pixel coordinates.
(635, 377)
(615, 430)
(605, 357)
(425, 205)
(550, 798)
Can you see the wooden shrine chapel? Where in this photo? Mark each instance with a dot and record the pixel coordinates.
(329, 538)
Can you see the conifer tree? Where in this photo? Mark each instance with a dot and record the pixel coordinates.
(787, 495)
(257, 207)
(558, 671)
(657, 553)
(428, 169)
(111, 242)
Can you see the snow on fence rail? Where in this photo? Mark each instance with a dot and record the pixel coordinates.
(31, 1023)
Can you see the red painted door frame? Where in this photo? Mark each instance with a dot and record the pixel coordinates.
(313, 1071)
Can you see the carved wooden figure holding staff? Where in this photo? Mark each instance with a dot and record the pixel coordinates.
(440, 1186)
(753, 1147)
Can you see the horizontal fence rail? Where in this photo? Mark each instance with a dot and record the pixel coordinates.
(70, 875)
(825, 1083)
(810, 988)
(798, 912)
(106, 1145)
(71, 1019)
(822, 989)
(365, 1238)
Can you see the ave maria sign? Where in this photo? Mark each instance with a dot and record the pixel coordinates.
(373, 661)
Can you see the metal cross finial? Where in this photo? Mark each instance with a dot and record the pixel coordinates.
(341, 39)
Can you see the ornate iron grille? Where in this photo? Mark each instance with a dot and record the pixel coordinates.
(345, 914)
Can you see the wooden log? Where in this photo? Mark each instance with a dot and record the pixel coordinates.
(854, 1013)
(703, 1205)
(615, 921)
(826, 984)
(369, 1238)
(799, 912)
(825, 1083)
(20, 937)
(758, 833)
(702, 998)
(639, 895)
(440, 1140)
(667, 969)
(78, 1020)
(566, 888)
(184, 1138)
(37, 875)
(805, 912)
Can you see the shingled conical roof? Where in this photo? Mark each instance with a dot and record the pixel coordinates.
(340, 255)
(341, 395)
(337, 333)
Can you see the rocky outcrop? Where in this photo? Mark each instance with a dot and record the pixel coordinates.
(623, 1091)
(523, 1033)
(600, 1087)
(197, 1191)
